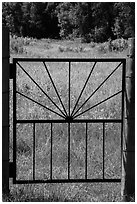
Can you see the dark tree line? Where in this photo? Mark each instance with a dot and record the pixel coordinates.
(91, 21)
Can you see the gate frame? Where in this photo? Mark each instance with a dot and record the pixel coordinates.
(68, 118)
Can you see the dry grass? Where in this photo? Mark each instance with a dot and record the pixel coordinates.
(65, 193)
(28, 110)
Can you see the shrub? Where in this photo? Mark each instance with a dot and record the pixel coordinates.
(100, 34)
(104, 48)
(27, 41)
(71, 49)
(61, 49)
(92, 44)
(86, 38)
(17, 44)
(119, 45)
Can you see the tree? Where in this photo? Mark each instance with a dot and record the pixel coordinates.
(12, 16)
(25, 27)
(36, 19)
(98, 21)
(103, 18)
(84, 19)
(42, 20)
(124, 25)
(66, 18)
(52, 23)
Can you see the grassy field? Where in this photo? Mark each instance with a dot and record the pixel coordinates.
(26, 109)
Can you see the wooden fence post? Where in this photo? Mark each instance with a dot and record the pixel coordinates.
(5, 110)
(128, 157)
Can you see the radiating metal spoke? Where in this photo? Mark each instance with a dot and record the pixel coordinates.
(68, 151)
(40, 104)
(83, 88)
(41, 89)
(97, 104)
(69, 89)
(51, 151)
(55, 87)
(96, 89)
(34, 146)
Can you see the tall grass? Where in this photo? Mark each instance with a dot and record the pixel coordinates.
(30, 47)
(98, 192)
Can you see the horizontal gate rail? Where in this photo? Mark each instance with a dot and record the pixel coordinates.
(67, 118)
(68, 181)
(69, 60)
(73, 121)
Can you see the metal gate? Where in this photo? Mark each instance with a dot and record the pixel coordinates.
(65, 115)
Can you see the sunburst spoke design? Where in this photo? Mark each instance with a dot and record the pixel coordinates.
(69, 77)
(97, 104)
(55, 87)
(40, 104)
(41, 89)
(96, 90)
(83, 88)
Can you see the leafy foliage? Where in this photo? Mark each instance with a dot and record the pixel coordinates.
(89, 20)
(125, 19)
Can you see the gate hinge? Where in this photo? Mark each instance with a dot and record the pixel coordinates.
(11, 67)
(11, 170)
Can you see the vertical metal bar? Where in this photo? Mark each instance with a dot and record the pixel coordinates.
(86, 151)
(51, 154)
(103, 149)
(33, 151)
(69, 87)
(14, 122)
(69, 126)
(122, 108)
(6, 75)
(68, 151)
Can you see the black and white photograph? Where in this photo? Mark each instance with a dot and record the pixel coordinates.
(68, 101)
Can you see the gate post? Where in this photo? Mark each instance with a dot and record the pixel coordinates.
(128, 156)
(5, 110)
